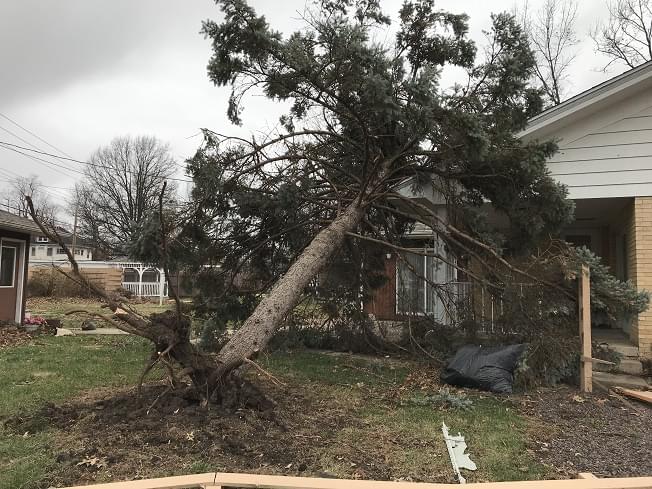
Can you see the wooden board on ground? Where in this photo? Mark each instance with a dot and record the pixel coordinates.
(224, 480)
(645, 396)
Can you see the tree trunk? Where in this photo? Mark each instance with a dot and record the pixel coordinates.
(259, 328)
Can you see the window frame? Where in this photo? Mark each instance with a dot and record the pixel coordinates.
(423, 300)
(16, 248)
(424, 266)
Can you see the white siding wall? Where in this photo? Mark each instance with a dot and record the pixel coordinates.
(609, 153)
(40, 253)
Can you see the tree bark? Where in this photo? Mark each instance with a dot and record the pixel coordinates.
(259, 328)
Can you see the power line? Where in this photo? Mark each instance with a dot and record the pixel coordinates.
(55, 195)
(3, 144)
(33, 146)
(20, 211)
(36, 136)
(36, 158)
(39, 184)
(10, 174)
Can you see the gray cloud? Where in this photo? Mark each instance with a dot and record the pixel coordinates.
(80, 72)
(45, 45)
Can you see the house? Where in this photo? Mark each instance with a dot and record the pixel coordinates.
(44, 250)
(605, 159)
(15, 235)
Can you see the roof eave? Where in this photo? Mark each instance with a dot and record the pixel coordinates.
(20, 229)
(588, 98)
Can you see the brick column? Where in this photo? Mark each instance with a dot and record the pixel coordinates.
(640, 257)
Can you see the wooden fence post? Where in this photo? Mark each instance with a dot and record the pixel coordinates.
(584, 302)
(161, 285)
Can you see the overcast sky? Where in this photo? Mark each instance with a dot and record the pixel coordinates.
(77, 73)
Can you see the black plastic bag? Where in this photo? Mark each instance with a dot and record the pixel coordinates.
(485, 368)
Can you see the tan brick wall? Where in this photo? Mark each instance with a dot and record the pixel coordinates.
(640, 255)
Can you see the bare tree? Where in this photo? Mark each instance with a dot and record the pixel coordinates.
(627, 36)
(30, 186)
(553, 38)
(121, 185)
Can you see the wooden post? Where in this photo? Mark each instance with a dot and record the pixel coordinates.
(161, 285)
(584, 302)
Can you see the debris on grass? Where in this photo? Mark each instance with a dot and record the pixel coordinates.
(13, 336)
(485, 368)
(444, 399)
(456, 446)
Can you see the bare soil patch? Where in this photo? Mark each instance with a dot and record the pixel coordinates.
(108, 436)
(589, 433)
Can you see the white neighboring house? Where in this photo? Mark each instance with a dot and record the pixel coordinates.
(44, 250)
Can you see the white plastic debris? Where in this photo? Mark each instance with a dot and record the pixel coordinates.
(456, 447)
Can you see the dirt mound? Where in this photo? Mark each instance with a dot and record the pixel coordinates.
(116, 435)
(590, 433)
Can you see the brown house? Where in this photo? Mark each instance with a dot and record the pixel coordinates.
(15, 235)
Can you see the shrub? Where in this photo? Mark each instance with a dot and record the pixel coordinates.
(212, 333)
(52, 283)
(329, 326)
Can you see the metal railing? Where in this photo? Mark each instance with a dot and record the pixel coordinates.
(452, 302)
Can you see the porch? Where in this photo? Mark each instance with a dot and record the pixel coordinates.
(618, 229)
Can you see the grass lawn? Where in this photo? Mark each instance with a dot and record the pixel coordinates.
(358, 422)
(52, 369)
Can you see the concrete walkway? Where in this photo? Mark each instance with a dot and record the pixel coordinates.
(98, 331)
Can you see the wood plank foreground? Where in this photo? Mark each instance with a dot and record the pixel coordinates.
(645, 396)
(224, 480)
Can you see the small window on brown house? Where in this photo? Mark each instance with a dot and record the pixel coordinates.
(7, 266)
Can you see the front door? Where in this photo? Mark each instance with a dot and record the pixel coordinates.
(9, 281)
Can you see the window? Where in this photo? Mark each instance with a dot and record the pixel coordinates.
(49, 252)
(425, 284)
(410, 285)
(61, 251)
(41, 239)
(33, 251)
(7, 266)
